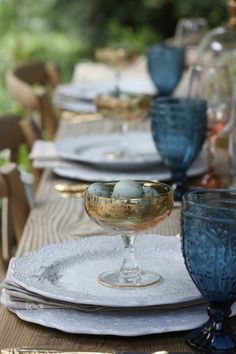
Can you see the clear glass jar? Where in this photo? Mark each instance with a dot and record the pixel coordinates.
(220, 43)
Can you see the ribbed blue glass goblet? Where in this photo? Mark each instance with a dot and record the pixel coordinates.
(179, 130)
(208, 223)
(165, 66)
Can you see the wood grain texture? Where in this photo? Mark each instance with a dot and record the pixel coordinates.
(54, 219)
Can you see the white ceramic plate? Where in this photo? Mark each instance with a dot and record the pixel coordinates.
(69, 271)
(85, 172)
(93, 149)
(119, 324)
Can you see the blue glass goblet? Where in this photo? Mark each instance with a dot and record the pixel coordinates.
(165, 66)
(208, 223)
(179, 130)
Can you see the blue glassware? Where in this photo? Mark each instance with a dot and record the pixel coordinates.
(165, 66)
(208, 223)
(179, 130)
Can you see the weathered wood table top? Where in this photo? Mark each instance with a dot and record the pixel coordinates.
(55, 219)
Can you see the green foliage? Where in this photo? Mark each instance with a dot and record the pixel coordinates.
(65, 31)
(129, 38)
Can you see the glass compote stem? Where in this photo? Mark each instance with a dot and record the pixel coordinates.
(129, 268)
(121, 151)
(129, 272)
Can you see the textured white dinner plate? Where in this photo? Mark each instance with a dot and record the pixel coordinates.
(69, 271)
(160, 172)
(93, 149)
(119, 323)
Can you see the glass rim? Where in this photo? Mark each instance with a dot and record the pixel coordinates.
(212, 219)
(176, 101)
(203, 191)
(160, 47)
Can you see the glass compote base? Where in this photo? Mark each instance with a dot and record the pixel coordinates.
(129, 275)
(127, 217)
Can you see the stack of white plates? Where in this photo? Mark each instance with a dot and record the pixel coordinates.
(66, 274)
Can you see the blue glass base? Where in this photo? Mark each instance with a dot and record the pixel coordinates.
(213, 338)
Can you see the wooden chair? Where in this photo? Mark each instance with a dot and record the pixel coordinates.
(29, 84)
(14, 132)
(15, 208)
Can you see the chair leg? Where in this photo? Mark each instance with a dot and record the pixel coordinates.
(37, 173)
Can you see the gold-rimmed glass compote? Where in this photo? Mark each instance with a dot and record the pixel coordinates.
(126, 108)
(128, 217)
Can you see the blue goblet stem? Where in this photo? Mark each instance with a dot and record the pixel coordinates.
(178, 183)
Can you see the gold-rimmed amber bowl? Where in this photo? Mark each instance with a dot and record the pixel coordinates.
(119, 57)
(123, 106)
(128, 217)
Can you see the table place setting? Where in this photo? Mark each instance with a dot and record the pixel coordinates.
(89, 158)
(80, 96)
(158, 284)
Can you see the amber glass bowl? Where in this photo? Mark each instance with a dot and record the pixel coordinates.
(123, 106)
(120, 57)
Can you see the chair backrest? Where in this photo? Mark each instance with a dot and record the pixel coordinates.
(13, 132)
(28, 84)
(11, 136)
(15, 208)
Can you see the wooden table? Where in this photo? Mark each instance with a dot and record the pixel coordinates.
(54, 219)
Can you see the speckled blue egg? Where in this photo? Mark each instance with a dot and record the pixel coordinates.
(149, 192)
(127, 189)
(99, 189)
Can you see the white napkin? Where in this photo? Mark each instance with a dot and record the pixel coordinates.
(72, 106)
(134, 78)
(44, 155)
(16, 297)
(43, 150)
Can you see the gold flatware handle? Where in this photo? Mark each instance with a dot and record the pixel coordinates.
(70, 188)
(25, 350)
(81, 118)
